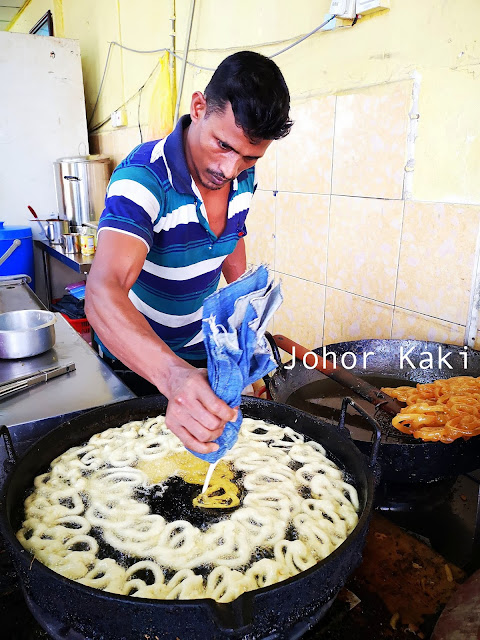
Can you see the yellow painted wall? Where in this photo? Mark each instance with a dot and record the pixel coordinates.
(436, 39)
(362, 246)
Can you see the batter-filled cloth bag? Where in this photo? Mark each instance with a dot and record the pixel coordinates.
(234, 322)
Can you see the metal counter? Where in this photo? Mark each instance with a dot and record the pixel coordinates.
(31, 413)
(76, 261)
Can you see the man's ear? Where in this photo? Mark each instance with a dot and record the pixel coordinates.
(198, 106)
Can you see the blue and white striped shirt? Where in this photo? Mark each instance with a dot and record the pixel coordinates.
(152, 196)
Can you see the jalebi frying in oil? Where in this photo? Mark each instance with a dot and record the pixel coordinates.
(440, 411)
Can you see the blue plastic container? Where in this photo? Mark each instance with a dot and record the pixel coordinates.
(20, 261)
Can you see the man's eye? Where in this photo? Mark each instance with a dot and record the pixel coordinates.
(223, 145)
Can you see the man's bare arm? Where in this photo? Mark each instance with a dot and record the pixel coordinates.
(195, 414)
(235, 264)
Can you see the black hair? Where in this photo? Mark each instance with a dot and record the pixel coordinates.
(256, 89)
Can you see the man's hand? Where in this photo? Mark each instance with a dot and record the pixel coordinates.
(194, 413)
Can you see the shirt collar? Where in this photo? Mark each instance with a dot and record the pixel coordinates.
(174, 153)
(179, 175)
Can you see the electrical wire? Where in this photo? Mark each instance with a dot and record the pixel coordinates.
(101, 83)
(192, 64)
(139, 123)
(132, 97)
(294, 44)
(197, 66)
(97, 126)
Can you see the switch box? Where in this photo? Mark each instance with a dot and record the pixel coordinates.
(119, 118)
(344, 9)
(369, 6)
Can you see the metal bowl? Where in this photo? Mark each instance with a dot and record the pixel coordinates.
(26, 333)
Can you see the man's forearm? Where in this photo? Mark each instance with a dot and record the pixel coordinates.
(126, 333)
(236, 263)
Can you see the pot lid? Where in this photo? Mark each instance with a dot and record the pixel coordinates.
(8, 232)
(90, 158)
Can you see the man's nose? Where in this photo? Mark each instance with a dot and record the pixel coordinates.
(232, 166)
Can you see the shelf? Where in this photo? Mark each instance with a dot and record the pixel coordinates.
(76, 261)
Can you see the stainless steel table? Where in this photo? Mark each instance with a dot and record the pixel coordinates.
(76, 261)
(30, 413)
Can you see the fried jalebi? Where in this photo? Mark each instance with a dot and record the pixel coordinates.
(296, 507)
(443, 410)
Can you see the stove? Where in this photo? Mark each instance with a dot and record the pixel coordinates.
(448, 527)
(442, 515)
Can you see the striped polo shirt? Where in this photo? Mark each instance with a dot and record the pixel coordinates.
(151, 195)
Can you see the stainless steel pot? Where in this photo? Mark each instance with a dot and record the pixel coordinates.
(54, 230)
(26, 333)
(71, 242)
(80, 184)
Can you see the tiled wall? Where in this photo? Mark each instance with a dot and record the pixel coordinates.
(355, 258)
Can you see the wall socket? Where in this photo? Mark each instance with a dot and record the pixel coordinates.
(119, 118)
(345, 9)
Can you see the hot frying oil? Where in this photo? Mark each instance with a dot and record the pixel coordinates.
(222, 493)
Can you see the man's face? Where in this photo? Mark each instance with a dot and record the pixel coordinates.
(217, 150)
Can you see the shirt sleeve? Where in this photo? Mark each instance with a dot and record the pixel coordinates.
(134, 203)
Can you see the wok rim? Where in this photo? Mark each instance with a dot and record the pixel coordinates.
(23, 555)
(47, 323)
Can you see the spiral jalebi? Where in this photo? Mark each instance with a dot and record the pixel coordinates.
(439, 411)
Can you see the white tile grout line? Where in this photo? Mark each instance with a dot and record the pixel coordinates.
(275, 193)
(275, 244)
(474, 303)
(276, 167)
(328, 226)
(398, 268)
(412, 133)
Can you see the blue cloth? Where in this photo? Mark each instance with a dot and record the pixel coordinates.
(234, 322)
(78, 292)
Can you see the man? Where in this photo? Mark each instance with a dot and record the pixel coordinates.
(174, 219)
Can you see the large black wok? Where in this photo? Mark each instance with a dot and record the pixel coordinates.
(66, 608)
(402, 458)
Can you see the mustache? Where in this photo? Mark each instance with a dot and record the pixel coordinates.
(219, 176)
